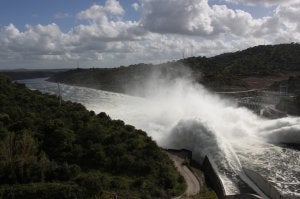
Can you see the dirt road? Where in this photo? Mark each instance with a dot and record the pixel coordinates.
(192, 182)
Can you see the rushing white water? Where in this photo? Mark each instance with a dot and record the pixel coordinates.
(181, 114)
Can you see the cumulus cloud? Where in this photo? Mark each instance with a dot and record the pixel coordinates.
(171, 16)
(99, 12)
(165, 30)
(85, 41)
(105, 26)
(290, 16)
(35, 40)
(197, 17)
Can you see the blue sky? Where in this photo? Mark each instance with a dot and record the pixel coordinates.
(46, 11)
(109, 33)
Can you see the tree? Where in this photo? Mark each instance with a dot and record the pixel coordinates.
(8, 148)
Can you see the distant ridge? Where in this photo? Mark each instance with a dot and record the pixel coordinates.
(218, 73)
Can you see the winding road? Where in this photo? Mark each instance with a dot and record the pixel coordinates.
(193, 186)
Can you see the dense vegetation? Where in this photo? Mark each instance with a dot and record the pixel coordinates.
(49, 150)
(219, 72)
(260, 60)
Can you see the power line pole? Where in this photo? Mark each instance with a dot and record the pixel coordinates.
(59, 93)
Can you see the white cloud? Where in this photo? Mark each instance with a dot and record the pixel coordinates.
(35, 40)
(290, 16)
(85, 41)
(101, 13)
(114, 7)
(196, 17)
(105, 25)
(182, 17)
(135, 6)
(165, 30)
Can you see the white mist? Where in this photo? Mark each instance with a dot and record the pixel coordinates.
(182, 114)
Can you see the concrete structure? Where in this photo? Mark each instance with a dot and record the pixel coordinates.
(261, 102)
(214, 180)
(252, 103)
(263, 184)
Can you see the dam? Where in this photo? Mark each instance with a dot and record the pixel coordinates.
(242, 147)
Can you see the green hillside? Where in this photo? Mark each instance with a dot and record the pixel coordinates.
(53, 151)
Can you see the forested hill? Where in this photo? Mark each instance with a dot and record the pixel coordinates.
(224, 70)
(49, 150)
(259, 60)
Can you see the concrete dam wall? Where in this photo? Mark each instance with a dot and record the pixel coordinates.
(214, 180)
(263, 184)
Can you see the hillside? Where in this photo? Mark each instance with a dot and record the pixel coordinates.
(49, 150)
(18, 74)
(259, 61)
(226, 71)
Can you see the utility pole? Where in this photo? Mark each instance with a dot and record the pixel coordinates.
(59, 93)
(283, 90)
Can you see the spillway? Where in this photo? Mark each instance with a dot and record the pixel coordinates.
(185, 115)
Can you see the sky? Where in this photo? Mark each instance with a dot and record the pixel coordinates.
(109, 33)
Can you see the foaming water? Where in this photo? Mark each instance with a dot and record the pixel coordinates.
(185, 115)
